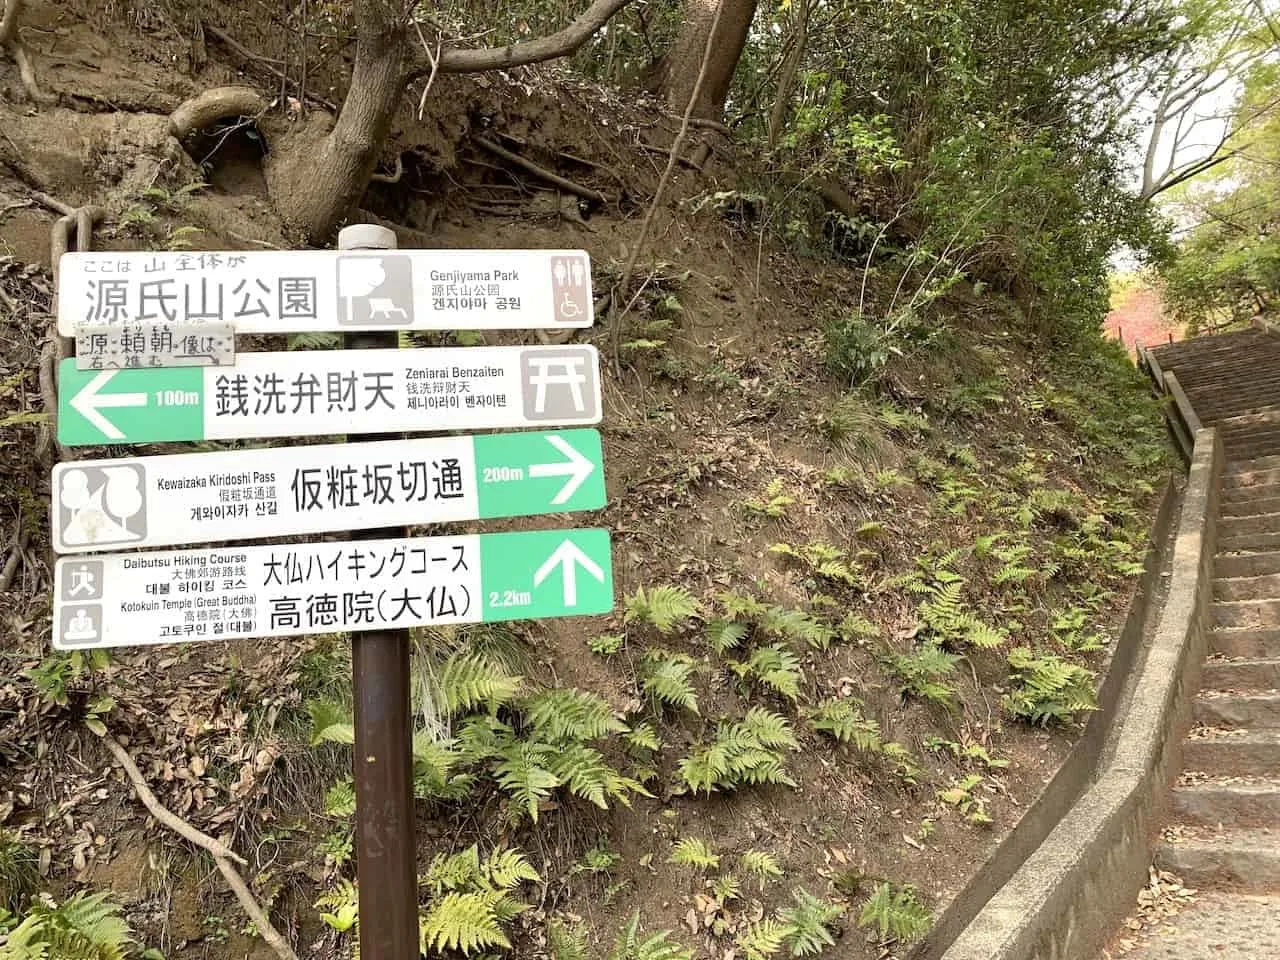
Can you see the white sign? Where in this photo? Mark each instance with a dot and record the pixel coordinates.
(267, 291)
(328, 392)
(283, 590)
(288, 491)
(151, 345)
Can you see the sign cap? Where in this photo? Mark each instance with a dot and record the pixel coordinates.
(366, 236)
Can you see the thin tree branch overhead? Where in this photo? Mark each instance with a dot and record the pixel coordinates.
(559, 44)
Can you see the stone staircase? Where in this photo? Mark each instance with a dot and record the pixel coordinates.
(1225, 837)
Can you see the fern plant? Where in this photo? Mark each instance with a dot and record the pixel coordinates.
(665, 677)
(83, 927)
(694, 852)
(760, 864)
(823, 560)
(896, 914)
(472, 899)
(632, 945)
(1044, 688)
(924, 673)
(806, 923)
(775, 667)
(843, 721)
(665, 608)
(746, 752)
(470, 680)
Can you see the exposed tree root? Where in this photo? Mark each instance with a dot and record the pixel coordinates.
(212, 105)
(542, 173)
(222, 854)
(10, 41)
(391, 177)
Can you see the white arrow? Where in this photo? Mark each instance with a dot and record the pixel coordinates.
(577, 468)
(568, 557)
(89, 401)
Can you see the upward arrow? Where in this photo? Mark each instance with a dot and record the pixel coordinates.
(577, 468)
(89, 403)
(568, 556)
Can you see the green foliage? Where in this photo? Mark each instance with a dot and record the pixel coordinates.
(924, 673)
(823, 560)
(83, 927)
(340, 907)
(763, 939)
(694, 852)
(569, 714)
(58, 673)
(773, 503)
(330, 722)
(844, 721)
(745, 752)
(896, 913)
(665, 677)
(606, 645)
(19, 871)
(946, 620)
(469, 680)
(665, 608)
(472, 899)
(340, 799)
(632, 945)
(805, 923)
(776, 667)
(567, 942)
(1044, 688)
(961, 796)
(725, 635)
(760, 864)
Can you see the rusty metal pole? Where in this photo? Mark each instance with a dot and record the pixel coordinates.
(383, 753)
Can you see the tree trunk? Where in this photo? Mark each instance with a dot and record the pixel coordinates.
(790, 71)
(676, 74)
(315, 185)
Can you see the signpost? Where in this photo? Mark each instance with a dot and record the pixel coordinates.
(287, 491)
(282, 590)
(156, 361)
(328, 392)
(269, 291)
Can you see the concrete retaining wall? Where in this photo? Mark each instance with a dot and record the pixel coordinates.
(1076, 886)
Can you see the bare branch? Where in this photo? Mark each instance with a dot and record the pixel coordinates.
(222, 855)
(559, 44)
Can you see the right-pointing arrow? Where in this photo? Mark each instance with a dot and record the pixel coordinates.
(89, 402)
(577, 468)
(568, 557)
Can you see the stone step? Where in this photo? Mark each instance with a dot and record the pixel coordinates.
(1262, 491)
(1231, 469)
(1257, 711)
(1247, 588)
(1246, 565)
(1241, 526)
(1248, 644)
(1247, 673)
(1241, 859)
(1256, 542)
(1246, 614)
(1226, 379)
(1251, 507)
(1232, 803)
(1234, 753)
(1250, 477)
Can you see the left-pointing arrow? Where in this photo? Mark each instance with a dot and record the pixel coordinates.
(89, 403)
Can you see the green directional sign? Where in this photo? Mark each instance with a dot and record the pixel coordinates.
(518, 474)
(552, 573)
(118, 406)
